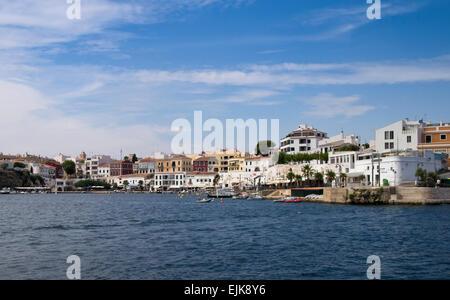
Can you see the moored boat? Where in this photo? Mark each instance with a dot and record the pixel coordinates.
(5, 191)
(289, 200)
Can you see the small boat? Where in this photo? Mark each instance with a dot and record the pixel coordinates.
(255, 196)
(205, 201)
(5, 191)
(222, 193)
(290, 200)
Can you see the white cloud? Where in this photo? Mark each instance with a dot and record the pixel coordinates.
(329, 106)
(31, 23)
(32, 122)
(437, 69)
(249, 97)
(338, 21)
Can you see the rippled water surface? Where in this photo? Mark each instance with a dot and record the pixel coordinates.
(165, 237)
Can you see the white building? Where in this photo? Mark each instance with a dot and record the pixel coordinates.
(258, 164)
(103, 171)
(46, 171)
(396, 169)
(200, 180)
(404, 135)
(170, 181)
(159, 155)
(92, 164)
(146, 166)
(329, 144)
(237, 179)
(342, 162)
(302, 140)
(133, 180)
(61, 158)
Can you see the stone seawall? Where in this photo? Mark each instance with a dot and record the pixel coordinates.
(276, 194)
(421, 195)
(390, 195)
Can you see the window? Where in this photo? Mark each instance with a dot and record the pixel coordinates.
(443, 137)
(386, 146)
(408, 139)
(440, 151)
(388, 135)
(428, 139)
(392, 145)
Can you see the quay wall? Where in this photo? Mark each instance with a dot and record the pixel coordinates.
(391, 195)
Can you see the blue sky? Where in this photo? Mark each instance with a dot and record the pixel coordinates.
(117, 78)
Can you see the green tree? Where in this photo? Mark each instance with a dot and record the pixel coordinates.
(4, 166)
(318, 177)
(432, 178)
(19, 165)
(298, 179)
(421, 174)
(263, 146)
(141, 185)
(216, 180)
(331, 176)
(134, 158)
(291, 177)
(348, 148)
(307, 173)
(126, 183)
(69, 167)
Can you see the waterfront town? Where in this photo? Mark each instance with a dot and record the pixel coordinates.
(405, 153)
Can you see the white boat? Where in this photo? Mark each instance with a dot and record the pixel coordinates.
(223, 193)
(255, 196)
(5, 191)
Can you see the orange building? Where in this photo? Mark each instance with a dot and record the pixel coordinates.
(174, 164)
(436, 137)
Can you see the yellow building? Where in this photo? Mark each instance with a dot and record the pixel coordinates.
(230, 160)
(236, 164)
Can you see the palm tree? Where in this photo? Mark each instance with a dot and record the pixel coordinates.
(126, 183)
(290, 176)
(216, 180)
(331, 176)
(343, 178)
(298, 179)
(318, 177)
(307, 173)
(141, 184)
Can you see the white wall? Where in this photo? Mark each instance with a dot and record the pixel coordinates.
(413, 129)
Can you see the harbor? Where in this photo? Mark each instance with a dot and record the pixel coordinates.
(163, 236)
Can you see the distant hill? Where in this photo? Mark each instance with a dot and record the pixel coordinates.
(13, 179)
